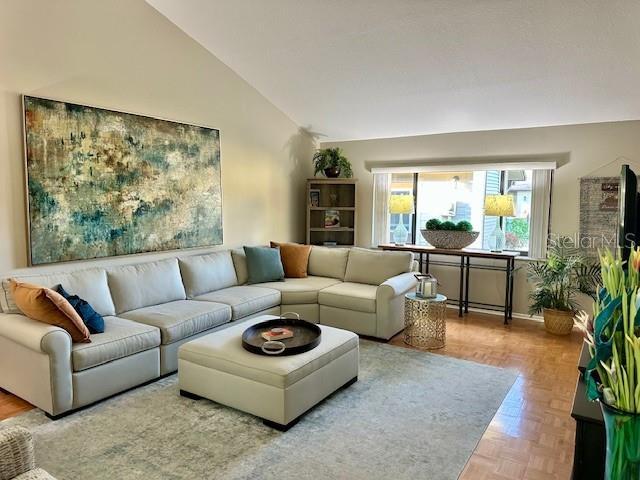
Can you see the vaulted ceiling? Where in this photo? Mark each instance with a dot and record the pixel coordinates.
(354, 69)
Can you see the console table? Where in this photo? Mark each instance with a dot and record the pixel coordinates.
(465, 265)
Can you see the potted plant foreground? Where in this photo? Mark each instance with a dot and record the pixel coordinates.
(332, 163)
(448, 234)
(557, 281)
(613, 373)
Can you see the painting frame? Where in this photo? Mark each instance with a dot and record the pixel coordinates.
(111, 110)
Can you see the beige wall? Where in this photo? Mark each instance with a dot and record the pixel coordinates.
(125, 56)
(589, 146)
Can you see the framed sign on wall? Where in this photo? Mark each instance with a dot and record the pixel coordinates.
(598, 214)
(104, 183)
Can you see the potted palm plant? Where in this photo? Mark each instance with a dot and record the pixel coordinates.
(557, 281)
(332, 163)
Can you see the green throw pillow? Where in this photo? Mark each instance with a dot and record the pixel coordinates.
(264, 264)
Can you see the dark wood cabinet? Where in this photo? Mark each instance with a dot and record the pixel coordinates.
(590, 447)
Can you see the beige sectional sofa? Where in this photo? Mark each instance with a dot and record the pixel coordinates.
(152, 308)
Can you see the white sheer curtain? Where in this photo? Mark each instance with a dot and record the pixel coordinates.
(539, 222)
(381, 193)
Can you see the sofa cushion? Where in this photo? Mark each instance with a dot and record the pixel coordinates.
(350, 296)
(300, 290)
(223, 351)
(244, 300)
(328, 262)
(182, 318)
(374, 266)
(138, 286)
(120, 339)
(207, 273)
(264, 264)
(48, 306)
(90, 284)
(240, 264)
(295, 258)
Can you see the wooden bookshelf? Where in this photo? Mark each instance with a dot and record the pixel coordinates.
(334, 201)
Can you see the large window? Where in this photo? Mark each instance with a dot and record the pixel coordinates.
(457, 196)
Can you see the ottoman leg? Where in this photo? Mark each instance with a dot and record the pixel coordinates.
(350, 382)
(279, 426)
(192, 396)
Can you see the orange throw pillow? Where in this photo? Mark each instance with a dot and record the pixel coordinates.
(295, 258)
(48, 306)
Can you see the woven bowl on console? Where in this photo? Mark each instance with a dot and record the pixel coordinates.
(452, 239)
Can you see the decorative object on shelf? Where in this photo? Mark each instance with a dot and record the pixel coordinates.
(332, 163)
(314, 197)
(331, 218)
(613, 373)
(557, 280)
(448, 234)
(401, 205)
(427, 286)
(498, 206)
(102, 183)
(425, 323)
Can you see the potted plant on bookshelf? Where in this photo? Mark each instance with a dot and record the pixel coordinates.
(557, 281)
(332, 163)
(613, 374)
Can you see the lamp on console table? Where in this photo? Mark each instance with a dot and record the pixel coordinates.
(498, 206)
(401, 205)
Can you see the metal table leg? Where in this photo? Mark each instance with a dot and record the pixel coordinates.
(466, 286)
(507, 291)
(461, 290)
(513, 268)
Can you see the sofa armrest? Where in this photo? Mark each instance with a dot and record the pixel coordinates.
(398, 285)
(16, 452)
(390, 304)
(35, 362)
(32, 334)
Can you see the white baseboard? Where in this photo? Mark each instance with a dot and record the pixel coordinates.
(521, 316)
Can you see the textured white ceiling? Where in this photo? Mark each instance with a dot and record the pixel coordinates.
(354, 69)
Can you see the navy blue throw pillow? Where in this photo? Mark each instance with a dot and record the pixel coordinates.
(92, 319)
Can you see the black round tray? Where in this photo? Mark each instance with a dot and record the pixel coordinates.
(306, 336)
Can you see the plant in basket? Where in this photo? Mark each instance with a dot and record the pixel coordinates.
(613, 374)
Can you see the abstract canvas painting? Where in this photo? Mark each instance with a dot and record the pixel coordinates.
(103, 183)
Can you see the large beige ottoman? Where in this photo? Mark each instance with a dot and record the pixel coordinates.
(277, 389)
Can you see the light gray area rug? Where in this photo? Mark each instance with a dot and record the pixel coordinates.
(411, 415)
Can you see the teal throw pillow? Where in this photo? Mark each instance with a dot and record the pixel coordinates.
(264, 264)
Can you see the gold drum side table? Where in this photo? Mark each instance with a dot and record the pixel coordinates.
(425, 321)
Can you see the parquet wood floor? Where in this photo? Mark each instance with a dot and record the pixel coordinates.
(532, 434)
